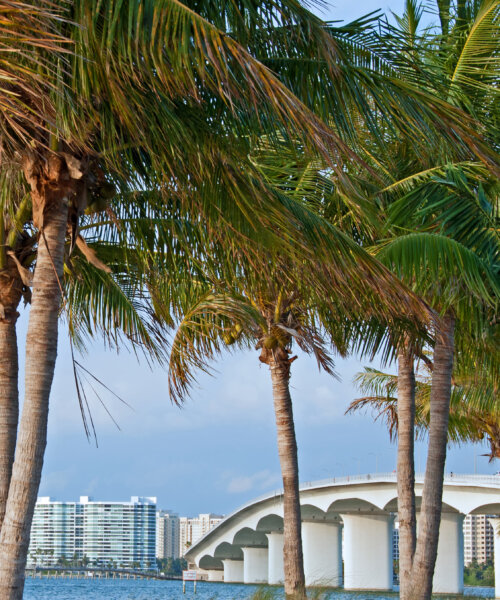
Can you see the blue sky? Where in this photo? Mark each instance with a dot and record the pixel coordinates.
(220, 449)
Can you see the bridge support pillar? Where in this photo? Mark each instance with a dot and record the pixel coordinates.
(449, 570)
(215, 575)
(255, 565)
(495, 523)
(322, 546)
(275, 557)
(233, 570)
(367, 551)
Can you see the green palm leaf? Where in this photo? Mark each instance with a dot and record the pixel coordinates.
(30, 38)
(442, 270)
(474, 409)
(479, 58)
(199, 338)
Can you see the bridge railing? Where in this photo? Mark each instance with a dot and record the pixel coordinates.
(392, 476)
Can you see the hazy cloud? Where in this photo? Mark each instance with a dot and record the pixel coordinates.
(55, 483)
(263, 480)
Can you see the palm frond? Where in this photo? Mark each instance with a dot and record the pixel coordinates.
(479, 59)
(199, 337)
(474, 407)
(381, 401)
(192, 63)
(31, 43)
(442, 270)
(112, 306)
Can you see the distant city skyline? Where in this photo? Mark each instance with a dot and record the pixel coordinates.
(219, 450)
(101, 532)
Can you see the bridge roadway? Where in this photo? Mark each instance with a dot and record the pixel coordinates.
(347, 520)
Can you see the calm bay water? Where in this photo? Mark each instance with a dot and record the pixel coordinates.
(126, 589)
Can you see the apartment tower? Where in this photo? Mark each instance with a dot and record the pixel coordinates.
(100, 534)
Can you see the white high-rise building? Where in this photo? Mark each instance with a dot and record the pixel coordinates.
(192, 529)
(120, 534)
(56, 532)
(167, 534)
(478, 539)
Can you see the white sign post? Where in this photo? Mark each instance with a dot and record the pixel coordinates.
(188, 576)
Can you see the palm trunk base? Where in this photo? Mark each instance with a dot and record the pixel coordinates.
(279, 364)
(52, 190)
(418, 586)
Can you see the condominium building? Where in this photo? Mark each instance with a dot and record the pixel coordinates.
(167, 534)
(121, 534)
(192, 529)
(53, 532)
(478, 539)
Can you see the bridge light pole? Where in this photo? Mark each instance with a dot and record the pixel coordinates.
(376, 460)
(356, 460)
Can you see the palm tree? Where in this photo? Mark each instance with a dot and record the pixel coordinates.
(14, 284)
(32, 31)
(89, 110)
(270, 321)
(443, 242)
(426, 259)
(271, 318)
(273, 306)
(474, 408)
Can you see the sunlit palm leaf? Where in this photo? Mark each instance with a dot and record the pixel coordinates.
(442, 270)
(474, 411)
(30, 45)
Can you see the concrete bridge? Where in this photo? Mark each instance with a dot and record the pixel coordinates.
(346, 522)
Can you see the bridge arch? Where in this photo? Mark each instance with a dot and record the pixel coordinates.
(487, 509)
(354, 505)
(392, 506)
(270, 523)
(225, 550)
(310, 512)
(250, 538)
(209, 563)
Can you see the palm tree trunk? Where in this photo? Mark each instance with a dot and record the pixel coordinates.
(41, 351)
(11, 288)
(430, 514)
(287, 449)
(406, 468)
(9, 406)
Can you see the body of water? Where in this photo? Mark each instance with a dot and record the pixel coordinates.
(136, 589)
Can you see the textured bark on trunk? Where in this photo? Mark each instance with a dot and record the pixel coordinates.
(11, 288)
(41, 351)
(287, 449)
(406, 469)
(430, 515)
